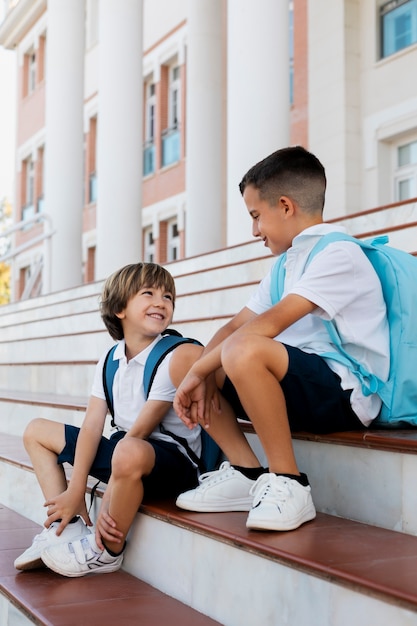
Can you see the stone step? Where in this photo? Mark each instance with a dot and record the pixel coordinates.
(44, 598)
(367, 476)
(329, 571)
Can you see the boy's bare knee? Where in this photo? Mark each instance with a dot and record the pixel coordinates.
(239, 352)
(33, 430)
(130, 458)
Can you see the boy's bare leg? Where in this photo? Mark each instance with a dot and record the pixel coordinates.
(44, 440)
(256, 364)
(228, 435)
(132, 459)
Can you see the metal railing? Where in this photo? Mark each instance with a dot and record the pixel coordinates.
(45, 237)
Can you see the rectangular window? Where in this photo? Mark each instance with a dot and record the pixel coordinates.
(149, 251)
(149, 144)
(171, 138)
(173, 240)
(32, 72)
(174, 98)
(39, 182)
(398, 25)
(406, 171)
(92, 152)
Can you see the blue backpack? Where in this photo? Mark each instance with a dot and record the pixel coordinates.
(211, 454)
(397, 271)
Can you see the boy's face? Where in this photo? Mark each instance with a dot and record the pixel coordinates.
(271, 223)
(149, 312)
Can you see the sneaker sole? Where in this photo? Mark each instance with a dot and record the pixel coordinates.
(104, 569)
(36, 563)
(268, 524)
(227, 507)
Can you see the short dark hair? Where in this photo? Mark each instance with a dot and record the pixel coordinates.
(292, 172)
(125, 283)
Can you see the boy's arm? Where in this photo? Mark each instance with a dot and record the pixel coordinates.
(72, 501)
(279, 317)
(198, 392)
(190, 401)
(154, 411)
(238, 320)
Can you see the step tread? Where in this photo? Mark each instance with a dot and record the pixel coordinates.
(350, 553)
(48, 598)
(381, 561)
(400, 440)
(56, 400)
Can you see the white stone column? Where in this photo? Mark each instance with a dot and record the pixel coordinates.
(258, 101)
(205, 130)
(64, 138)
(119, 136)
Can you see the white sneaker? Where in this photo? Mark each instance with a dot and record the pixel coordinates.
(31, 558)
(225, 489)
(80, 557)
(280, 503)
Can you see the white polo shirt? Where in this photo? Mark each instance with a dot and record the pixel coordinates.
(129, 397)
(346, 289)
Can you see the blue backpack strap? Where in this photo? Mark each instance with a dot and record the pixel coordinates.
(109, 369)
(369, 382)
(158, 353)
(210, 452)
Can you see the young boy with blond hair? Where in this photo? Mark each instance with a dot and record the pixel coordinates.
(139, 459)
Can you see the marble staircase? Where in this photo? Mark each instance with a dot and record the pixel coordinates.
(355, 564)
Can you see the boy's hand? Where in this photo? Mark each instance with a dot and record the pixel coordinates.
(64, 507)
(189, 401)
(106, 527)
(212, 402)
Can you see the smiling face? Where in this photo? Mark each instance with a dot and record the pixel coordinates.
(148, 313)
(271, 223)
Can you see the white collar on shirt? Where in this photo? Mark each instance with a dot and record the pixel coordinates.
(120, 352)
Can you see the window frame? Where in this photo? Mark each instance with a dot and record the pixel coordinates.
(386, 12)
(406, 172)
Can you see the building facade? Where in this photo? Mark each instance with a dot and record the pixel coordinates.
(138, 118)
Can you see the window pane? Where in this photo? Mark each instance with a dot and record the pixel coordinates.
(403, 190)
(407, 154)
(399, 26)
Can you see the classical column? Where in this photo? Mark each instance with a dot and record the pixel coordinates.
(205, 133)
(64, 138)
(258, 101)
(119, 136)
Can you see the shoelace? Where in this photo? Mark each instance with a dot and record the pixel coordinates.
(272, 488)
(215, 475)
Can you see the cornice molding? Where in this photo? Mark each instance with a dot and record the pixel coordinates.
(19, 20)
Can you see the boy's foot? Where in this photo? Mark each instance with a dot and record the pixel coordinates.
(80, 557)
(31, 558)
(280, 503)
(225, 489)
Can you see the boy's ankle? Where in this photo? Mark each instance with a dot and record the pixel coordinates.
(113, 552)
(300, 478)
(252, 473)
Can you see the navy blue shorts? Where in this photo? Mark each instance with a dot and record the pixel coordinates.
(316, 402)
(172, 474)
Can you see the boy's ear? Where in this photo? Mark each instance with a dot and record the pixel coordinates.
(287, 205)
(121, 315)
